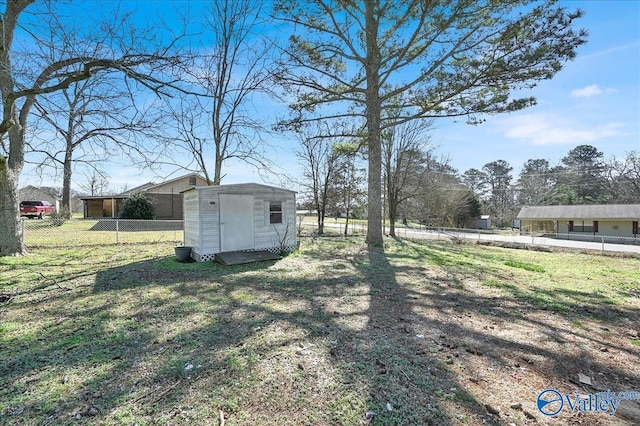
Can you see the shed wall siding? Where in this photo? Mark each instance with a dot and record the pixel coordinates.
(209, 222)
(192, 220)
(269, 235)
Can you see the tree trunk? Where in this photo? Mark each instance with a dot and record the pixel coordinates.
(320, 220)
(217, 172)
(393, 209)
(392, 204)
(347, 208)
(10, 229)
(66, 183)
(373, 115)
(322, 212)
(217, 141)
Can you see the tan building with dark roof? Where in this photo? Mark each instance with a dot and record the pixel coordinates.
(166, 198)
(616, 220)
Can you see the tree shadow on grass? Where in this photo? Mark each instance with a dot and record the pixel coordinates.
(407, 384)
(326, 338)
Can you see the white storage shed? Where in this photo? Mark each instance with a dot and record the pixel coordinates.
(238, 217)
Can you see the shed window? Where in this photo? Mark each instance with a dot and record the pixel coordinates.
(192, 181)
(275, 211)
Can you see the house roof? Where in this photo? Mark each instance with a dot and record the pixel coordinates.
(52, 192)
(150, 185)
(104, 197)
(137, 189)
(587, 211)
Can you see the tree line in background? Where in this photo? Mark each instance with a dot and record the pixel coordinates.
(583, 176)
(421, 189)
(79, 89)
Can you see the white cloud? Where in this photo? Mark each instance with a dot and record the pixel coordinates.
(549, 129)
(586, 92)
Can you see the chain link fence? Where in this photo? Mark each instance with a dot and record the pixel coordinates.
(91, 232)
(573, 240)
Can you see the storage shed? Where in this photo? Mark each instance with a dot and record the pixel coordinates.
(482, 222)
(238, 217)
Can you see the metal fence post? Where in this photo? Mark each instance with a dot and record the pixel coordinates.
(602, 236)
(117, 225)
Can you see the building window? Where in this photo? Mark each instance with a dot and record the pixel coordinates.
(275, 212)
(581, 226)
(192, 180)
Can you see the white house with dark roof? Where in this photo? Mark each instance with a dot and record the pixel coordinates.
(618, 220)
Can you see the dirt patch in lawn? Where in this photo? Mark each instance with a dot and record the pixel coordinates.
(416, 333)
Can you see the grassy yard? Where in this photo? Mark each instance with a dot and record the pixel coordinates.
(419, 333)
(88, 232)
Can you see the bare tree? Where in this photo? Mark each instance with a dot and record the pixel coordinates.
(405, 155)
(624, 178)
(444, 200)
(88, 123)
(95, 183)
(190, 124)
(535, 182)
(420, 59)
(51, 58)
(347, 182)
(232, 74)
(319, 159)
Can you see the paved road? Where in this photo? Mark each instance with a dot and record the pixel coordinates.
(522, 239)
(530, 240)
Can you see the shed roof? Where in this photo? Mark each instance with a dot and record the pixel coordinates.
(232, 186)
(585, 211)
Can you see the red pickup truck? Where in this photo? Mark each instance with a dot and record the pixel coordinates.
(38, 209)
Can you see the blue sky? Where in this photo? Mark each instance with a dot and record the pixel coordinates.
(594, 100)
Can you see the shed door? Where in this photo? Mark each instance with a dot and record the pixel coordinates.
(236, 222)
